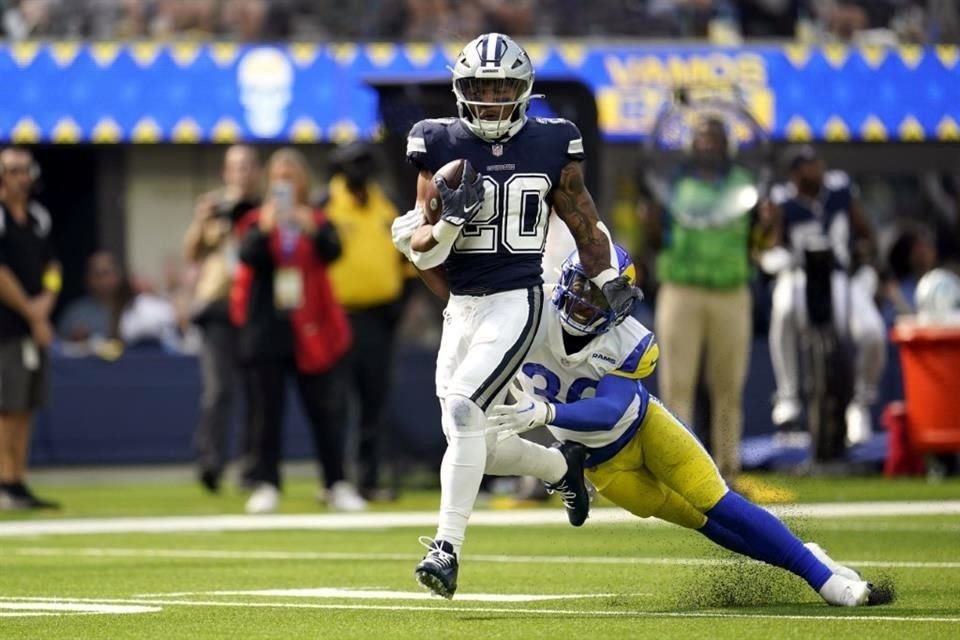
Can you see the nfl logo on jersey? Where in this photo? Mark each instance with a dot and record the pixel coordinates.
(497, 150)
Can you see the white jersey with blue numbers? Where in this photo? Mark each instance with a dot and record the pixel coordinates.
(502, 249)
(627, 350)
(826, 217)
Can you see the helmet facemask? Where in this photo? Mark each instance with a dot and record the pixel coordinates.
(583, 307)
(492, 106)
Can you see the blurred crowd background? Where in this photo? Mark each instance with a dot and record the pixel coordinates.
(130, 290)
(874, 21)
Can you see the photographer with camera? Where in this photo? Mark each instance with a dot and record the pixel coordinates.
(210, 245)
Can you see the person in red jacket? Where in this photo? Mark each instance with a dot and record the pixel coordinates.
(290, 323)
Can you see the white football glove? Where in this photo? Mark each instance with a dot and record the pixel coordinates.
(528, 413)
(403, 228)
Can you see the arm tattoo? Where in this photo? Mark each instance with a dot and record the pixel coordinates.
(575, 207)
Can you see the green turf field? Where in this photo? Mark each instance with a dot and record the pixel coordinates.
(351, 577)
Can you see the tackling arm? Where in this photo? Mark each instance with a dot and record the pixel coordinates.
(402, 231)
(614, 396)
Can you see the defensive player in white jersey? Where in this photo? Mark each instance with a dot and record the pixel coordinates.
(819, 205)
(490, 240)
(581, 379)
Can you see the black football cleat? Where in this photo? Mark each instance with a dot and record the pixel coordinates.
(572, 487)
(22, 493)
(438, 569)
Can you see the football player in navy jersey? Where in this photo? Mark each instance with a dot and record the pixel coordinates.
(490, 240)
(582, 380)
(819, 205)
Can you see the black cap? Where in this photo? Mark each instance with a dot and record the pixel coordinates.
(799, 155)
(357, 151)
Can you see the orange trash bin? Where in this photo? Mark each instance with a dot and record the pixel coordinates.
(930, 358)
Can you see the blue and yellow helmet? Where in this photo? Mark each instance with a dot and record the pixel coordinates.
(583, 307)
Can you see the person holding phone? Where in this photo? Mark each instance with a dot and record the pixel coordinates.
(291, 324)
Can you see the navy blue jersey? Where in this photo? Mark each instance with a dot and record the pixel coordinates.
(824, 217)
(502, 249)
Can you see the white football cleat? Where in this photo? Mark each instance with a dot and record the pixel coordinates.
(844, 592)
(343, 496)
(785, 410)
(834, 566)
(264, 499)
(859, 427)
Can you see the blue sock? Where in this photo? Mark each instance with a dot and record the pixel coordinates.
(718, 534)
(767, 538)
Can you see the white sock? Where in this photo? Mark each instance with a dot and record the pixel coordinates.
(462, 468)
(514, 456)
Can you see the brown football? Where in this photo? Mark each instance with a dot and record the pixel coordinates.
(452, 174)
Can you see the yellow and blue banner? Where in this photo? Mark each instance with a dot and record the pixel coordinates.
(300, 92)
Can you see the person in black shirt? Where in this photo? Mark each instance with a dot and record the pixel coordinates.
(29, 282)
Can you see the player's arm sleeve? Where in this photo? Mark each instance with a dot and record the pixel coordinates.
(574, 142)
(642, 360)
(417, 152)
(614, 396)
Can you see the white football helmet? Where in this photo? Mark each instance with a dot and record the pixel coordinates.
(938, 293)
(493, 80)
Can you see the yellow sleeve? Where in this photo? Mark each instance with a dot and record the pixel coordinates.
(642, 360)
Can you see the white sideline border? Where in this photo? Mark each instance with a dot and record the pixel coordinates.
(333, 556)
(389, 520)
(446, 607)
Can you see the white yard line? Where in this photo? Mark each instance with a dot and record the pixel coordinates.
(54, 606)
(932, 527)
(330, 593)
(429, 518)
(331, 556)
(446, 607)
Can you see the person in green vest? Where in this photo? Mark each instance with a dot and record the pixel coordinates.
(703, 307)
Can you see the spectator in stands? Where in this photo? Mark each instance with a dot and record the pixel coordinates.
(697, 18)
(703, 308)
(290, 323)
(211, 246)
(253, 20)
(30, 280)
(368, 281)
(96, 315)
(180, 19)
(769, 18)
(913, 254)
(148, 319)
(116, 313)
(27, 19)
